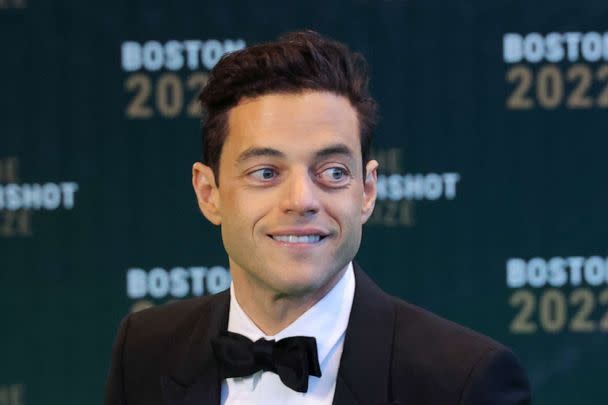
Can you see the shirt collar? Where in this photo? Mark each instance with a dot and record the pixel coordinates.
(326, 321)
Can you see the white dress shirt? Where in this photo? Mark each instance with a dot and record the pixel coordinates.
(326, 321)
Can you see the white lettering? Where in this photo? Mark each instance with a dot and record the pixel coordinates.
(413, 187)
(158, 283)
(576, 263)
(68, 190)
(555, 51)
(555, 47)
(32, 195)
(534, 47)
(175, 55)
(537, 272)
(152, 55)
(176, 283)
(557, 271)
(450, 180)
(432, 186)
(198, 274)
(516, 273)
(212, 52)
(512, 47)
(13, 197)
(179, 282)
(193, 47)
(591, 47)
(49, 196)
(572, 41)
(175, 58)
(131, 56)
(136, 283)
(595, 270)
(218, 279)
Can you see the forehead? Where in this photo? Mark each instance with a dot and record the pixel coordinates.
(298, 123)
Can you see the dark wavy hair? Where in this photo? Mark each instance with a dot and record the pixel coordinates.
(296, 62)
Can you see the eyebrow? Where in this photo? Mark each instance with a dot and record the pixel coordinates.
(257, 152)
(337, 149)
(252, 152)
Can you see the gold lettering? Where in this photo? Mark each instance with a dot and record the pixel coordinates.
(604, 301)
(602, 75)
(521, 323)
(15, 223)
(549, 86)
(142, 86)
(169, 95)
(581, 74)
(522, 76)
(393, 213)
(13, 4)
(9, 169)
(552, 310)
(581, 322)
(406, 213)
(12, 394)
(195, 83)
(390, 160)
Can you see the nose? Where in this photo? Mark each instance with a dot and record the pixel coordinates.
(300, 194)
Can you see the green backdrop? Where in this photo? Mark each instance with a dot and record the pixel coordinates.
(492, 194)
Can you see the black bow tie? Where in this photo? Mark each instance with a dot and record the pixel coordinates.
(292, 358)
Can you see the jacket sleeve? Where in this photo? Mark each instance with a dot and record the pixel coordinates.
(497, 379)
(115, 386)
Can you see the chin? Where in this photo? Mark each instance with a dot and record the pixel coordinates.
(303, 284)
(297, 287)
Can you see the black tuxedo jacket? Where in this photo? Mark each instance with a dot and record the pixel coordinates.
(394, 353)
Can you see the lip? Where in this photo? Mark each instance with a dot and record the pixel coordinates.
(298, 246)
(299, 231)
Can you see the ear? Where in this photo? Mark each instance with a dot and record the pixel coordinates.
(207, 192)
(369, 190)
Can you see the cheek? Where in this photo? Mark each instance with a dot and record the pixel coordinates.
(241, 211)
(346, 210)
(348, 216)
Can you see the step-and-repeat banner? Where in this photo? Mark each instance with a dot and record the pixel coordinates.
(492, 191)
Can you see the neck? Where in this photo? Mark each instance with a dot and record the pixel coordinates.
(271, 310)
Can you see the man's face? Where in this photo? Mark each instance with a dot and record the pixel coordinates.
(291, 200)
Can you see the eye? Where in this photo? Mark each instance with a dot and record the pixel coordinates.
(335, 174)
(263, 174)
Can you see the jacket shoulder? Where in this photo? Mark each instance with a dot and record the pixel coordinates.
(153, 332)
(152, 342)
(437, 357)
(171, 313)
(416, 324)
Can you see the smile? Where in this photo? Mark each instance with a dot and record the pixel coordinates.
(297, 238)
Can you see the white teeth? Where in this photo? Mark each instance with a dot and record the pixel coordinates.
(297, 238)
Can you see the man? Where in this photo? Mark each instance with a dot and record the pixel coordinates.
(287, 177)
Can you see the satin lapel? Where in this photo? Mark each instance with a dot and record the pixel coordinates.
(363, 377)
(194, 380)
